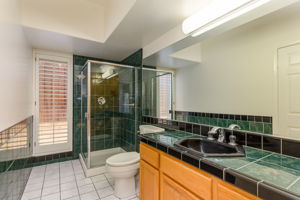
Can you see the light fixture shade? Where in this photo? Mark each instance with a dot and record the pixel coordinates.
(217, 13)
(107, 73)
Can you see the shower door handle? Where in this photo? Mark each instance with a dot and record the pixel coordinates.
(130, 105)
(87, 116)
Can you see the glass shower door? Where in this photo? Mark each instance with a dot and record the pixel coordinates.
(112, 111)
(84, 115)
(108, 111)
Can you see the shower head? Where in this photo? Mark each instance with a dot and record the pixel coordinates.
(80, 76)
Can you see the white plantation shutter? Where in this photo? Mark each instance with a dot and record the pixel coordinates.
(53, 133)
(53, 105)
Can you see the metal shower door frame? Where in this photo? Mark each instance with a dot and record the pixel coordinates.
(87, 115)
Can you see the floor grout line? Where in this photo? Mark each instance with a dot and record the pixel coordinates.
(43, 182)
(75, 180)
(110, 185)
(59, 181)
(95, 189)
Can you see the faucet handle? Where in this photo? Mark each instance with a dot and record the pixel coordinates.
(232, 140)
(212, 132)
(234, 127)
(211, 135)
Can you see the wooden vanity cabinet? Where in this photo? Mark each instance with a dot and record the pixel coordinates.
(149, 180)
(149, 173)
(163, 177)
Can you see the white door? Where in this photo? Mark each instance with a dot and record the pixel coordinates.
(289, 91)
(53, 97)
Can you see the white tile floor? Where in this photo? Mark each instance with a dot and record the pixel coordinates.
(66, 180)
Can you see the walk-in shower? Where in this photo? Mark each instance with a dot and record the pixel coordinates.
(109, 95)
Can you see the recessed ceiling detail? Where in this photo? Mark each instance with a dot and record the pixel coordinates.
(93, 20)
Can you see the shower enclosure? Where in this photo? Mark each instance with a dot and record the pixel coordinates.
(157, 92)
(109, 102)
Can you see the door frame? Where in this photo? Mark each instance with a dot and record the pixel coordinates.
(276, 87)
(38, 53)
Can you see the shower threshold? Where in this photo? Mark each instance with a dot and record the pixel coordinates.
(98, 161)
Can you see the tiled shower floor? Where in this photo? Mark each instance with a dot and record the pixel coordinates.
(66, 180)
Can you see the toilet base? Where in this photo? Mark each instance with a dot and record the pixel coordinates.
(125, 187)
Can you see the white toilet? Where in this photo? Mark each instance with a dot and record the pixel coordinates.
(124, 166)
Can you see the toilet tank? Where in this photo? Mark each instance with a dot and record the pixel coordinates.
(150, 129)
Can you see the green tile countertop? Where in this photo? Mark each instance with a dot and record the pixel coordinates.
(273, 168)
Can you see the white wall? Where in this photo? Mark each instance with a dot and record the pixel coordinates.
(16, 102)
(236, 73)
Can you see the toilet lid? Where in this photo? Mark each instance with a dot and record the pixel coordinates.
(123, 159)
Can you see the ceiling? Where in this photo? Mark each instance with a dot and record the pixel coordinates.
(138, 26)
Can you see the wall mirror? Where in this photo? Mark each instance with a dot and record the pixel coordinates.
(247, 75)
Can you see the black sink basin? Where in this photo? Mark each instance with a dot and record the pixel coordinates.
(209, 148)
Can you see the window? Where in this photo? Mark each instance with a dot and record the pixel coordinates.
(53, 104)
(165, 95)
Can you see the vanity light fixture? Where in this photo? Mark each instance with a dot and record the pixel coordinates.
(217, 13)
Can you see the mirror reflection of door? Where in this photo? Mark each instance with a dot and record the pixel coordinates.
(288, 91)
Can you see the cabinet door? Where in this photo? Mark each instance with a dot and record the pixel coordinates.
(224, 191)
(149, 182)
(170, 190)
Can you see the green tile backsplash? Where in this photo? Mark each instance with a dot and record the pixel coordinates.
(258, 124)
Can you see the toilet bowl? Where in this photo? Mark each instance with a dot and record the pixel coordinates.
(123, 167)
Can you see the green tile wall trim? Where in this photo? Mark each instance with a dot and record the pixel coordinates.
(259, 124)
(13, 175)
(268, 128)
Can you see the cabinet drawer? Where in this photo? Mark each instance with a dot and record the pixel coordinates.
(170, 190)
(150, 155)
(224, 191)
(191, 179)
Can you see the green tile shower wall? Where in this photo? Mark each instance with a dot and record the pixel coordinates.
(260, 127)
(105, 119)
(135, 59)
(132, 120)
